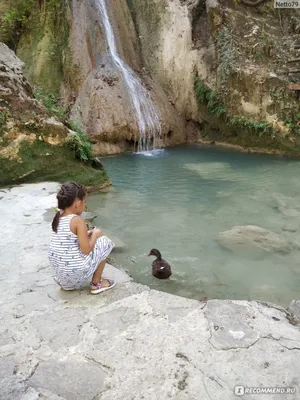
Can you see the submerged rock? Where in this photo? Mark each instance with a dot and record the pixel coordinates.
(119, 245)
(212, 170)
(249, 237)
(287, 206)
(264, 292)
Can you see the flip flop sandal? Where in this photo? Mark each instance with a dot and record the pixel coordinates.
(98, 286)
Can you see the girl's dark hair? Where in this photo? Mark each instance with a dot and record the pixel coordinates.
(68, 193)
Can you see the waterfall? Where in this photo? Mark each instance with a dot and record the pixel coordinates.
(145, 111)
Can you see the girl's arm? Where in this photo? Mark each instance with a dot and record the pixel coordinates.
(86, 244)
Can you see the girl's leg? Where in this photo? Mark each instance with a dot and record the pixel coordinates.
(98, 274)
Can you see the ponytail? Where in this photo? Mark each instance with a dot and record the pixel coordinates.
(55, 221)
(68, 193)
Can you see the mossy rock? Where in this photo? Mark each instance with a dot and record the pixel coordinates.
(40, 161)
(44, 46)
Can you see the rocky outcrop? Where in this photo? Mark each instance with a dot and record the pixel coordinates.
(130, 340)
(176, 43)
(16, 92)
(239, 54)
(33, 143)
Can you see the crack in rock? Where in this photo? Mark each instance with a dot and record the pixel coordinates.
(184, 357)
(106, 368)
(33, 370)
(235, 347)
(213, 379)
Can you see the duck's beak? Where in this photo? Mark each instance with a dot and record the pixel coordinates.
(149, 254)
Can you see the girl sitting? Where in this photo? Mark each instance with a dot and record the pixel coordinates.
(75, 253)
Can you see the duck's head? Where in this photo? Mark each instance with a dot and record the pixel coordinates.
(156, 253)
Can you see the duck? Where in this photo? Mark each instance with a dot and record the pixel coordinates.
(160, 268)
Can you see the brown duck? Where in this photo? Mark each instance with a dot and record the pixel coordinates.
(160, 268)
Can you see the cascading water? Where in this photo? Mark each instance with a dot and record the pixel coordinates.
(146, 114)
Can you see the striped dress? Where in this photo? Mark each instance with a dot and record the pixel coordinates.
(71, 267)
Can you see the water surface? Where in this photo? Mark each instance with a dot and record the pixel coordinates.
(180, 199)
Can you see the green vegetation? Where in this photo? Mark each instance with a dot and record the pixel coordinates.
(51, 102)
(228, 55)
(208, 97)
(19, 15)
(80, 144)
(251, 126)
(4, 112)
(14, 20)
(293, 123)
(266, 47)
(3, 116)
(43, 44)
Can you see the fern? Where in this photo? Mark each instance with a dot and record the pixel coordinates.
(80, 144)
(51, 103)
(260, 128)
(205, 95)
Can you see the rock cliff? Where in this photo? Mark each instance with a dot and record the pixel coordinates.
(234, 58)
(214, 69)
(34, 145)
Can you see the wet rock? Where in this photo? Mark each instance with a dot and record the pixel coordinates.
(294, 309)
(251, 237)
(120, 246)
(97, 164)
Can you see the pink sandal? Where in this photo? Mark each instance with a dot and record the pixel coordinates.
(98, 286)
